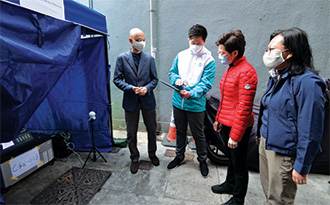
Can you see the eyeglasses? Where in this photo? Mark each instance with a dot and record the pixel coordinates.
(269, 50)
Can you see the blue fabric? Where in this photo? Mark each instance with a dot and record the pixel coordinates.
(296, 117)
(126, 76)
(81, 89)
(265, 100)
(81, 14)
(35, 52)
(51, 79)
(14, 1)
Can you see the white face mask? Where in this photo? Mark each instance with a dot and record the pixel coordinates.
(139, 45)
(195, 48)
(273, 58)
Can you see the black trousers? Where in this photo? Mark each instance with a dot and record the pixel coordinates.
(132, 123)
(237, 171)
(196, 123)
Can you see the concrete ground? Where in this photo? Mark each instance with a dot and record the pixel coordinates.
(183, 185)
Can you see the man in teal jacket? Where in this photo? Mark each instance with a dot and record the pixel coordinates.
(193, 73)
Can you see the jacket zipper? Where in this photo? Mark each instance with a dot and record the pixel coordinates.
(257, 137)
(182, 102)
(272, 89)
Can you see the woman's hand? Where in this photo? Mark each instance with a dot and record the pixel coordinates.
(298, 178)
(232, 143)
(217, 126)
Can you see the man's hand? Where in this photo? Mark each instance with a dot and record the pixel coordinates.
(184, 94)
(140, 90)
(298, 178)
(180, 82)
(143, 91)
(136, 90)
(232, 143)
(217, 126)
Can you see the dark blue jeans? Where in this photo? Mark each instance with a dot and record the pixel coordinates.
(196, 122)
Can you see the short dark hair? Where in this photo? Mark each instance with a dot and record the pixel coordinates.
(296, 41)
(197, 30)
(234, 40)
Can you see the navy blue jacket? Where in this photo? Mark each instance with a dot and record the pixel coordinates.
(296, 117)
(126, 77)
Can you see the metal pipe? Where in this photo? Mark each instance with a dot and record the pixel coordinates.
(152, 49)
(91, 4)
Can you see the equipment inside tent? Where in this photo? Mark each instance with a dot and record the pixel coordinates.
(54, 71)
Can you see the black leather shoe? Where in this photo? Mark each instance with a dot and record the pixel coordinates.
(204, 169)
(174, 163)
(222, 189)
(134, 167)
(154, 160)
(233, 201)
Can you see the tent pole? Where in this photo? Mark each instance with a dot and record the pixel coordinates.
(108, 88)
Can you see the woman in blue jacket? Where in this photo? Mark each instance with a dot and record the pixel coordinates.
(291, 118)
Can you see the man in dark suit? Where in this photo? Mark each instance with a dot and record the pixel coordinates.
(136, 75)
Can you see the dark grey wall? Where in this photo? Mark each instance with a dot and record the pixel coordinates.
(172, 19)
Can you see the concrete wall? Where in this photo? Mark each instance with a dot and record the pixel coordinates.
(172, 18)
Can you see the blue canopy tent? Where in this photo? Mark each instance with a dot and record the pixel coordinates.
(52, 76)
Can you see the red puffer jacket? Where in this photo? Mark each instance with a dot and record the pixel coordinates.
(238, 87)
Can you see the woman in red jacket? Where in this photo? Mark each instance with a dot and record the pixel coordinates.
(235, 118)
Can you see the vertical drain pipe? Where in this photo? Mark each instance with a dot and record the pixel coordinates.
(91, 4)
(153, 50)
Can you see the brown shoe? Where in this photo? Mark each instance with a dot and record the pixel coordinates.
(134, 167)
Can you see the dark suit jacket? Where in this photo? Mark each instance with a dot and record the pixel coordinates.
(126, 76)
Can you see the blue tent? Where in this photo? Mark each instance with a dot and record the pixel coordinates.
(52, 76)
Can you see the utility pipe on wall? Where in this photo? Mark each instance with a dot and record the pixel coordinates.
(91, 4)
(152, 49)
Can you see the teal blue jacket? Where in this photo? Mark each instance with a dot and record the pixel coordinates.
(204, 67)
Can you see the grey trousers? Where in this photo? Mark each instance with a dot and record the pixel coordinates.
(132, 123)
(276, 176)
(196, 122)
